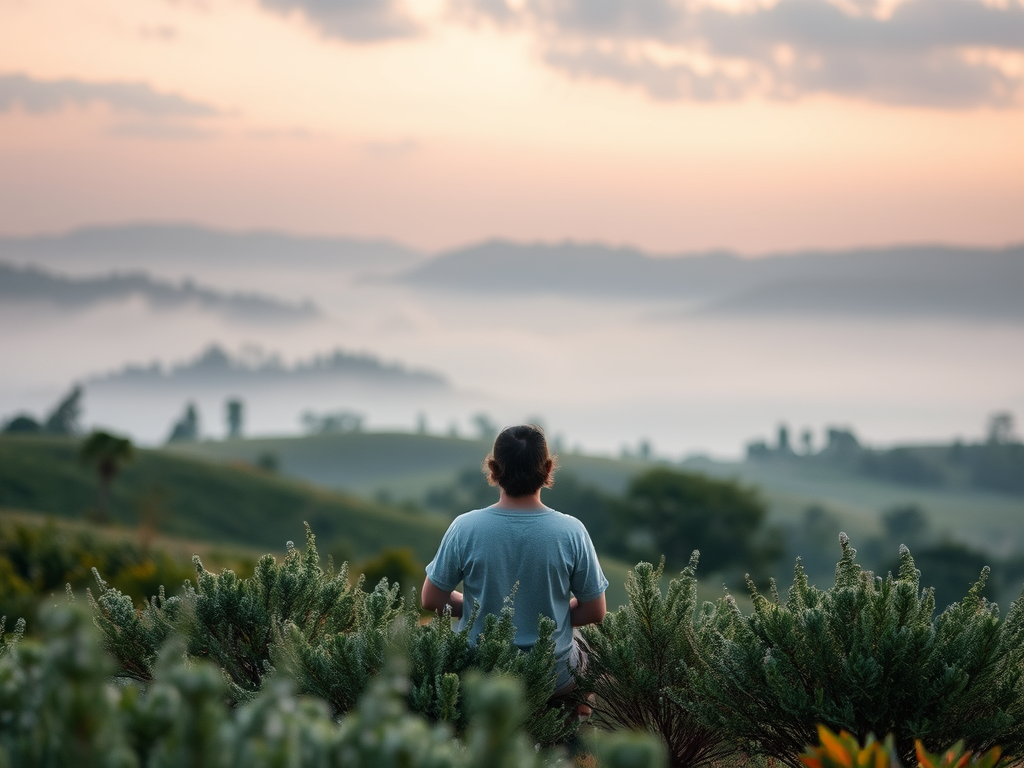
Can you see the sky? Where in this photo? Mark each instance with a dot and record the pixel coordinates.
(672, 125)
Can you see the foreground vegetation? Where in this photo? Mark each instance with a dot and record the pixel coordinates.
(58, 709)
(716, 686)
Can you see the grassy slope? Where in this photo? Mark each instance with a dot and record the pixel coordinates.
(406, 465)
(209, 508)
(208, 502)
(990, 521)
(217, 499)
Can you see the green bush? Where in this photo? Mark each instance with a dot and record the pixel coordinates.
(866, 656)
(669, 512)
(8, 641)
(441, 658)
(330, 635)
(639, 655)
(58, 709)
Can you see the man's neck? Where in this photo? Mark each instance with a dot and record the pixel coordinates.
(523, 503)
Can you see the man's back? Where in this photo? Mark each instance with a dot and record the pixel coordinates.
(549, 555)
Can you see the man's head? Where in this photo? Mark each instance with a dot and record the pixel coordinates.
(520, 462)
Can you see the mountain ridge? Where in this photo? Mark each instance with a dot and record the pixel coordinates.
(20, 285)
(910, 280)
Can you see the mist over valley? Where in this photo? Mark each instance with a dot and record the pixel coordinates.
(607, 346)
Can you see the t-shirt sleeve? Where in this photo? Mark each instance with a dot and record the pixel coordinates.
(588, 581)
(445, 570)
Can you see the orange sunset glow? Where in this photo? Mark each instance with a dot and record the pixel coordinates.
(668, 126)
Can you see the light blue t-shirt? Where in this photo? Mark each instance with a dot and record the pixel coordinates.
(548, 553)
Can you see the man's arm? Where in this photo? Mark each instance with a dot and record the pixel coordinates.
(435, 599)
(589, 612)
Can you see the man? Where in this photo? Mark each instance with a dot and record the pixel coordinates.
(519, 540)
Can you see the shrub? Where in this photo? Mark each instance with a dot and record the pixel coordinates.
(670, 512)
(131, 636)
(241, 624)
(865, 656)
(441, 659)
(8, 641)
(58, 709)
(330, 635)
(638, 657)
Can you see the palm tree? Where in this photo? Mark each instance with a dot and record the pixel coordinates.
(107, 453)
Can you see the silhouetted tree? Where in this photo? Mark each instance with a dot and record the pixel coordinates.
(1000, 428)
(784, 449)
(757, 450)
(644, 450)
(842, 444)
(669, 512)
(332, 423)
(235, 417)
(186, 429)
(906, 524)
(64, 419)
(22, 424)
(106, 453)
(486, 429)
(807, 440)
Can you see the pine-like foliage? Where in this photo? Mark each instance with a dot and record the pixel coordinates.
(337, 661)
(54, 706)
(330, 636)
(58, 709)
(638, 660)
(293, 609)
(238, 623)
(866, 656)
(8, 641)
(133, 637)
(440, 659)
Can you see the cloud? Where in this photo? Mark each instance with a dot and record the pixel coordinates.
(356, 21)
(41, 96)
(923, 53)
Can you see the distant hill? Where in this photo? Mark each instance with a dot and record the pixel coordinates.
(407, 465)
(982, 283)
(226, 504)
(328, 392)
(27, 285)
(142, 246)
(216, 367)
(402, 464)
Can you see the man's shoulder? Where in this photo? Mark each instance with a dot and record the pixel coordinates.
(568, 521)
(473, 517)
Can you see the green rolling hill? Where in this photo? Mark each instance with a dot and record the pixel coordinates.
(406, 466)
(206, 506)
(211, 492)
(402, 464)
(194, 499)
